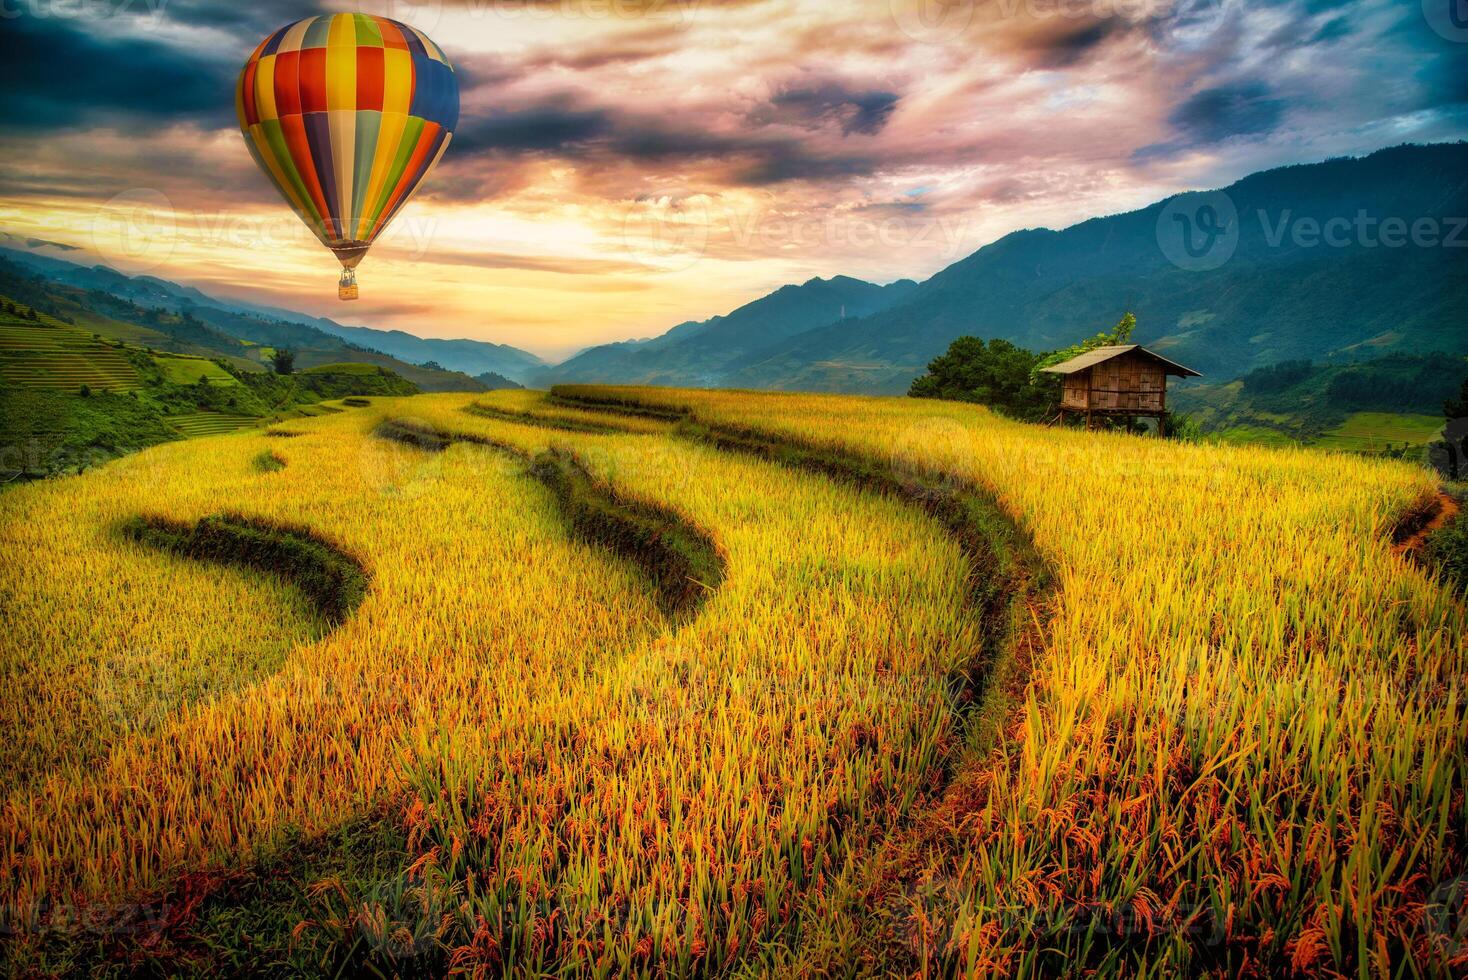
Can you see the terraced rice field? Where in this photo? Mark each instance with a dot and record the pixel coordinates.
(1370, 432)
(188, 370)
(962, 697)
(210, 423)
(313, 410)
(51, 354)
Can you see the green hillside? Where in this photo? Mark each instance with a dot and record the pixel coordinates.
(344, 367)
(1271, 300)
(162, 317)
(707, 352)
(426, 378)
(1372, 406)
(1374, 432)
(40, 351)
(189, 370)
(70, 399)
(210, 423)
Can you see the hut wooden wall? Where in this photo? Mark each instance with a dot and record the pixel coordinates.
(1128, 383)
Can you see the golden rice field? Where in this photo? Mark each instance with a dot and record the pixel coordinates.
(1223, 732)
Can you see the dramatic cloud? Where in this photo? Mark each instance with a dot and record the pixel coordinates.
(1240, 109)
(814, 107)
(547, 128)
(623, 165)
(56, 76)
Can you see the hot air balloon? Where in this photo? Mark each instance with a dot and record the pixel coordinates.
(347, 113)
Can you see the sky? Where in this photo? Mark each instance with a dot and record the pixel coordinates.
(621, 166)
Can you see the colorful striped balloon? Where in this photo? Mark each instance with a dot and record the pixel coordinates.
(347, 113)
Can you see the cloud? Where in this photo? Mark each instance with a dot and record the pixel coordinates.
(614, 50)
(805, 114)
(559, 265)
(249, 21)
(607, 137)
(828, 103)
(1236, 109)
(1062, 42)
(56, 76)
(542, 128)
(781, 162)
(1333, 29)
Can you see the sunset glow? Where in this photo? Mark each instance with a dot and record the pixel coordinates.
(622, 166)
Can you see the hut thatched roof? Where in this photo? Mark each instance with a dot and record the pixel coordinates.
(1093, 357)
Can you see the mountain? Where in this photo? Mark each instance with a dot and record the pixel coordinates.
(169, 317)
(469, 357)
(497, 382)
(707, 353)
(1285, 292)
(472, 357)
(79, 386)
(1396, 396)
(1307, 270)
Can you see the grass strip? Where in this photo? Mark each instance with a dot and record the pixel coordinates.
(269, 462)
(682, 561)
(591, 396)
(334, 581)
(277, 917)
(544, 421)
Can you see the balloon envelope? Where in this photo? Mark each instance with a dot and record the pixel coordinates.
(347, 113)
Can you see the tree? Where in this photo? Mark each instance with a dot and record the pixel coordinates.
(1276, 377)
(994, 373)
(1119, 334)
(1006, 377)
(1455, 434)
(1457, 408)
(284, 361)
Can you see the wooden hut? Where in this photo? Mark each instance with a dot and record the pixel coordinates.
(1127, 380)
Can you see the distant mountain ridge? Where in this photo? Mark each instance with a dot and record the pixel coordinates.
(470, 357)
(1283, 293)
(1286, 290)
(709, 352)
(156, 317)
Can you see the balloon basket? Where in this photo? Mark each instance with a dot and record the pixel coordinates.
(346, 288)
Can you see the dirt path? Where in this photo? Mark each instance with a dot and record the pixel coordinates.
(1446, 508)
